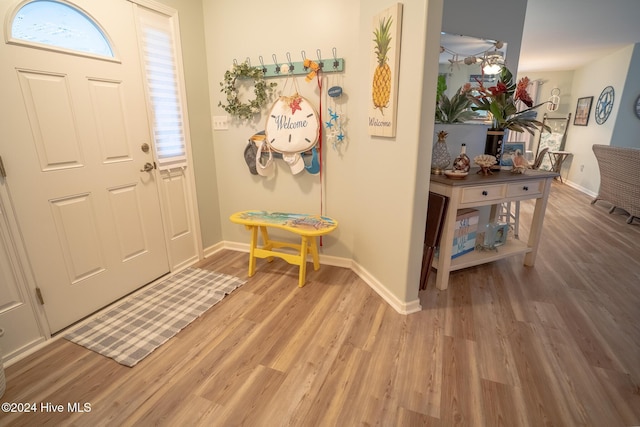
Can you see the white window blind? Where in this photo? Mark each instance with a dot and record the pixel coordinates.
(164, 91)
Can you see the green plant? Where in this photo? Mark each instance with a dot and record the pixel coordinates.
(262, 91)
(442, 86)
(501, 101)
(455, 109)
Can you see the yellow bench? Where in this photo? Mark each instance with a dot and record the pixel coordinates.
(308, 227)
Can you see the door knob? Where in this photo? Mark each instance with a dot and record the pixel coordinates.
(148, 167)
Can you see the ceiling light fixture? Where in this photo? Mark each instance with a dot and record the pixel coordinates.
(491, 60)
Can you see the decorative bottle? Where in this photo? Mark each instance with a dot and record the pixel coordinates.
(462, 162)
(441, 159)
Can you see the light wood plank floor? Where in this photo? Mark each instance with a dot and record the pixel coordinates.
(505, 345)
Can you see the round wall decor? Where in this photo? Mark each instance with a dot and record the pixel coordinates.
(604, 104)
(292, 125)
(262, 91)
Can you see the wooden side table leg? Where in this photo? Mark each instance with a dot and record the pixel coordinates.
(254, 243)
(303, 261)
(537, 220)
(446, 245)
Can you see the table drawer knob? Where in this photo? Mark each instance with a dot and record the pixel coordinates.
(525, 188)
(484, 193)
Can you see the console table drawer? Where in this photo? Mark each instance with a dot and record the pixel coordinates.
(525, 188)
(483, 193)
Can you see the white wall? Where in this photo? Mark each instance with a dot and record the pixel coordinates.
(581, 170)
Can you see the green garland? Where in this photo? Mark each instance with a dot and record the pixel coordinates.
(262, 90)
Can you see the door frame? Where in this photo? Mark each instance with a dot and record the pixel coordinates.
(25, 280)
(178, 259)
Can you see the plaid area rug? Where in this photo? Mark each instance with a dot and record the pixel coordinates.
(130, 331)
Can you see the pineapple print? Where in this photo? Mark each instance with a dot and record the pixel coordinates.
(381, 88)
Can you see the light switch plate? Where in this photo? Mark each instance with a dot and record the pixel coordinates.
(220, 122)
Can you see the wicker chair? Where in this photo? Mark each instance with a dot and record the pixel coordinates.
(619, 178)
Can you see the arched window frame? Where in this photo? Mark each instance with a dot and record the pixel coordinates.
(8, 27)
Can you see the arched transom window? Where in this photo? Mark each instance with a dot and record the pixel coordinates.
(60, 26)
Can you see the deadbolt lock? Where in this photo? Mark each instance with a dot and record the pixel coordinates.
(144, 147)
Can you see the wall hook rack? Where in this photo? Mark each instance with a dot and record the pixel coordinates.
(290, 68)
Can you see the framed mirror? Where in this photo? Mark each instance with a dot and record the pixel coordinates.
(466, 59)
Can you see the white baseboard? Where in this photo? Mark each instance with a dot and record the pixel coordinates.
(399, 306)
(24, 351)
(207, 252)
(580, 188)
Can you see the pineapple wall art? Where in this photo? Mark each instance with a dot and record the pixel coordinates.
(385, 61)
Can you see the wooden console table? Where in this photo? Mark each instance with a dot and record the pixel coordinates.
(478, 190)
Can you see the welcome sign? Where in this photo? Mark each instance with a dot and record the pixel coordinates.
(385, 64)
(292, 125)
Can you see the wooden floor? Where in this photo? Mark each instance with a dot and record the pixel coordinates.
(505, 345)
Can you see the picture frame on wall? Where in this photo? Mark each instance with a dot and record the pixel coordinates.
(386, 30)
(583, 110)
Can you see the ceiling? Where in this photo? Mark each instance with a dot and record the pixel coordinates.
(568, 34)
(563, 34)
(457, 48)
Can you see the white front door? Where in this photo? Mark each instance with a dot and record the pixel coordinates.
(73, 135)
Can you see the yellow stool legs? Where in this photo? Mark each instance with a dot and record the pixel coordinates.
(307, 245)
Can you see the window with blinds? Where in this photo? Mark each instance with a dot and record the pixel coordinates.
(156, 32)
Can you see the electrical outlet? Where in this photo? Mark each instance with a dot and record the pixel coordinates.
(220, 123)
(581, 168)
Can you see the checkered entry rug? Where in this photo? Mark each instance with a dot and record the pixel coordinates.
(134, 328)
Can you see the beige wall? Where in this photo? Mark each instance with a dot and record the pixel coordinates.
(563, 80)
(369, 185)
(376, 187)
(237, 30)
(611, 70)
(393, 174)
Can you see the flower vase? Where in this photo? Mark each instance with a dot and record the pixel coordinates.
(493, 145)
(440, 159)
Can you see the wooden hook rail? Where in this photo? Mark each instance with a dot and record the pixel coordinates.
(290, 68)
